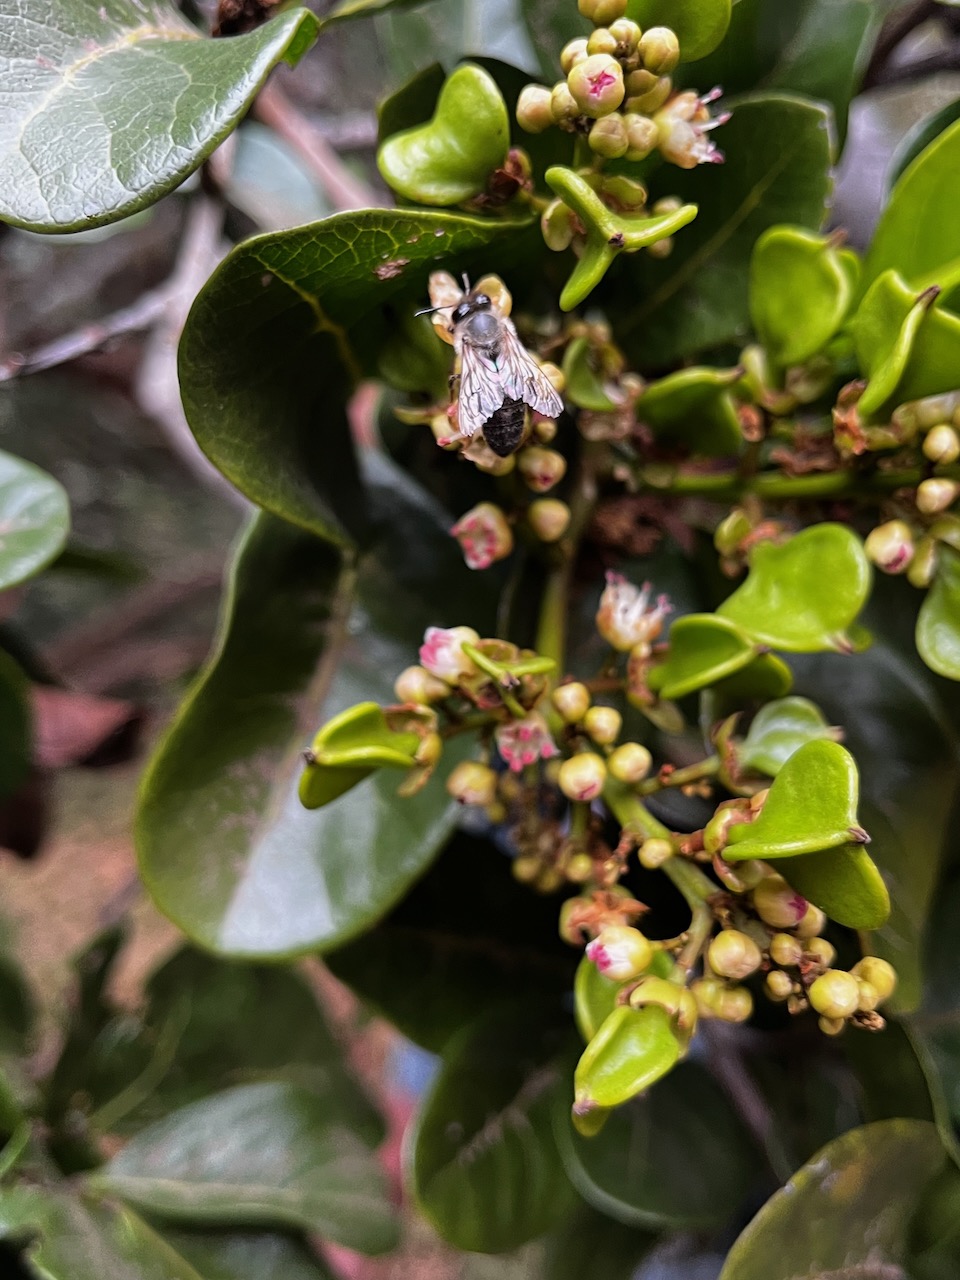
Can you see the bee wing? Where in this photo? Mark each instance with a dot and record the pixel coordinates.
(522, 377)
(481, 389)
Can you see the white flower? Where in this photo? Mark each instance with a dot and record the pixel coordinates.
(684, 125)
(625, 617)
(442, 653)
(523, 742)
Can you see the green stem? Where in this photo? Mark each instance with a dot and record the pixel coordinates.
(708, 768)
(634, 816)
(774, 485)
(697, 889)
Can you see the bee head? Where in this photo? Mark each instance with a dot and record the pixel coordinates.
(470, 306)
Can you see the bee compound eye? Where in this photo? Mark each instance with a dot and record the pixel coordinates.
(461, 312)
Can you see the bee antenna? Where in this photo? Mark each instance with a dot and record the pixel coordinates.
(428, 311)
(466, 282)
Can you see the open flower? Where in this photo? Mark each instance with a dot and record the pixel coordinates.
(684, 125)
(523, 742)
(442, 653)
(484, 536)
(625, 617)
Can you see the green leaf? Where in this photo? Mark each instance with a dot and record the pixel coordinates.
(550, 26)
(483, 1161)
(68, 1239)
(777, 169)
(700, 24)
(111, 106)
(778, 730)
(703, 649)
(583, 381)
(348, 749)
(225, 846)
(783, 602)
(799, 292)
(938, 625)
(693, 408)
(15, 726)
(449, 159)
(594, 996)
(34, 520)
(843, 882)
(934, 1031)
(247, 1255)
(590, 1243)
(916, 141)
(283, 330)
(363, 9)
(467, 936)
(631, 1050)
(675, 1158)
(847, 1212)
(258, 1155)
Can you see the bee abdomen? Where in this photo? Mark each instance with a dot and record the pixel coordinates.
(504, 430)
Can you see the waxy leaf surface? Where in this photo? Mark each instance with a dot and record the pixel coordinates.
(778, 730)
(34, 520)
(938, 626)
(703, 649)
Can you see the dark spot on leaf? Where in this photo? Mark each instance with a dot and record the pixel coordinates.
(390, 270)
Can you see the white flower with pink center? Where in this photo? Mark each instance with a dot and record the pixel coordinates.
(484, 535)
(684, 125)
(620, 952)
(442, 653)
(626, 616)
(523, 742)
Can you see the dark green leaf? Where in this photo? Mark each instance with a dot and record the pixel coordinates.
(34, 518)
(15, 726)
(777, 170)
(364, 8)
(591, 1244)
(919, 138)
(776, 732)
(693, 408)
(938, 625)
(845, 883)
(677, 1157)
(846, 1214)
(467, 936)
(800, 292)
(258, 1155)
(551, 24)
(700, 24)
(247, 1255)
(484, 1163)
(111, 106)
(285, 327)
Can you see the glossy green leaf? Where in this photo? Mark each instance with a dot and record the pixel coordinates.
(678, 1157)
(934, 1031)
(778, 730)
(363, 8)
(550, 27)
(632, 1049)
(225, 846)
(917, 234)
(348, 749)
(15, 726)
(583, 382)
(71, 1239)
(693, 408)
(938, 625)
(700, 24)
(766, 677)
(287, 1162)
(847, 1212)
(777, 168)
(799, 293)
(450, 158)
(594, 998)
(845, 883)
(917, 139)
(783, 602)
(483, 1161)
(703, 649)
(34, 520)
(111, 106)
(284, 328)
(467, 936)
(247, 1255)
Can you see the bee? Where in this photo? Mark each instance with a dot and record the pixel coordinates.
(498, 377)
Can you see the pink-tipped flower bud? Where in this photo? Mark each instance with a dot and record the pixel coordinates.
(572, 701)
(653, 853)
(935, 495)
(879, 973)
(582, 777)
(484, 535)
(777, 904)
(573, 51)
(473, 783)
(890, 546)
(630, 763)
(942, 444)
(603, 725)
(733, 954)
(541, 468)
(642, 135)
(549, 519)
(684, 125)
(417, 684)
(443, 656)
(608, 137)
(534, 109)
(524, 742)
(596, 85)
(602, 12)
(659, 50)
(619, 952)
(626, 617)
(813, 923)
(835, 994)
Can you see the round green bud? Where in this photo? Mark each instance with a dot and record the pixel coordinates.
(563, 106)
(661, 248)
(733, 954)
(627, 35)
(582, 776)
(813, 923)
(596, 85)
(541, 468)
(923, 566)
(626, 192)
(654, 99)
(935, 495)
(738, 877)
(473, 783)
(835, 994)
(549, 880)
(642, 135)
(549, 519)
(879, 973)
(430, 750)
(571, 700)
(942, 444)
(653, 853)
(602, 40)
(573, 51)
(706, 992)
(418, 685)
(608, 137)
(831, 1026)
(869, 996)
(659, 50)
(545, 429)
(558, 225)
(568, 932)
(535, 108)
(733, 1004)
(778, 985)
(580, 868)
(639, 82)
(777, 904)
(602, 12)
(785, 950)
(603, 725)
(630, 763)
(821, 951)
(890, 546)
(620, 952)
(525, 868)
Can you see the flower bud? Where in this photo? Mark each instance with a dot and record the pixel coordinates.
(654, 99)
(946, 529)
(573, 51)
(596, 85)
(785, 950)
(777, 904)
(473, 783)
(661, 248)
(716, 833)
(416, 684)
(731, 531)
(558, 225)
(942, 444)
(525, 869)
(890, 546)
(733, 1004)
(534, 108)
(563, 106)
(524, 742)
(608, 137)
(442, 653)
(571, 700)
(627, 35)
(733, 954)
(545, 429)
(444, 434)
(603, 725)
(812, 924)
(653, 853)
(630, 763)
(582, 776)
(429, 751)
(820, 951)
(835, 994)
(549, 880)
(935, 495)
(869, 996)
(484, 535)
(642, 135)
(639, 82)
(685, 124)
(548, 518)
(659, 50)
(707, 992)
(778, 985)
(740, 876)
(831, 1026)
(923, 566)
(602, 12)
(881, 975)
(619, 952)
(602, 40)
(625, 617)
(541, 468)
(580, 868)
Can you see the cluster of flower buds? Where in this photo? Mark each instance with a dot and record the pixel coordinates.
(618, 92)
